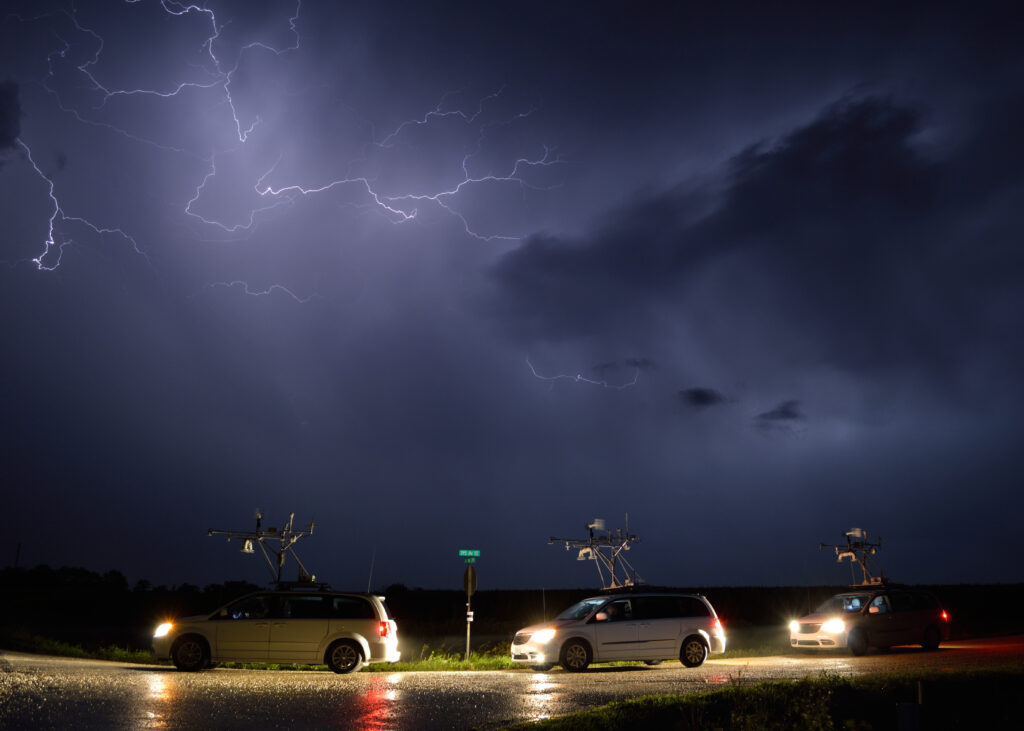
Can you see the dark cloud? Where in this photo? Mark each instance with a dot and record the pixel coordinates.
(837, 237)
(820, 195)
(701, 398)
(785, 411)
(643, 364)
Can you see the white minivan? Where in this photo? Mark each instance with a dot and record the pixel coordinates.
(649, 627)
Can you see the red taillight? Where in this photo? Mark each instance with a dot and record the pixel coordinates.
(718, 624)
(384, 628)
(945, 616)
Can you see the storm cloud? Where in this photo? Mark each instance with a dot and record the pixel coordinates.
(383, 265)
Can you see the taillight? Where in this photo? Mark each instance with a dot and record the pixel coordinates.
(718, 625)
(384, 628)
(945, 616)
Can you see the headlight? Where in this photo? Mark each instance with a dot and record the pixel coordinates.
(794, 626)
(163, 629)
(544, 636)
(834, 627)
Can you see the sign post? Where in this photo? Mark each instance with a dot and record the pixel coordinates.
(469, 557)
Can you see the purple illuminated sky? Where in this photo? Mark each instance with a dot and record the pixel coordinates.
(468, 275)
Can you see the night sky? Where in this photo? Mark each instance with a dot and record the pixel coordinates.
(469, 275)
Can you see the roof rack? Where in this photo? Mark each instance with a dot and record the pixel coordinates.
(303, 586)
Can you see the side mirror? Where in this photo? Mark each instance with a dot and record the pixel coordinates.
(601, 617)
(873, 610)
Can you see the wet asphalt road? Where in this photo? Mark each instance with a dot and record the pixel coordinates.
(49, 692)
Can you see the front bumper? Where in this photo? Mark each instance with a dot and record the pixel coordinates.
(818, 640)
(535, 654)
(162, 647)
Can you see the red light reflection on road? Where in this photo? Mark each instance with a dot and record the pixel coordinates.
(376, 709)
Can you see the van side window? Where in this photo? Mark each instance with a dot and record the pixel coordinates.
(352, 607)
(902, 602)
(253, 607)
(693, 607)
(879, 605)
(304, 606)
(655, 607)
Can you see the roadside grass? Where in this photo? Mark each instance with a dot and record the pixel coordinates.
(952, 699)
(22, 640)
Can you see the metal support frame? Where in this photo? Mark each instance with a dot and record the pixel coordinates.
(614, 571)
(285, 539)
(859, 551)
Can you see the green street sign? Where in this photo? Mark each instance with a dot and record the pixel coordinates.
(471, 559)
(474, 552)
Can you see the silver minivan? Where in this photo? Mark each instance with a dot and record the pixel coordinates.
(340, 630)
(649, 627)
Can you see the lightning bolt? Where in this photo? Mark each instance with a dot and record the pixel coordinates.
(244, 286)
(74, 80)
(580, 378)
(46, 262)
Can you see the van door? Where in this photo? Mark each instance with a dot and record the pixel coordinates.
(298, 628)
(658, 623)
(880, 622)
(616, 637)
(243, 629)
(906, 617)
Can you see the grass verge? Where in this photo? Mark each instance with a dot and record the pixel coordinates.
(951, 700)
(22, 640)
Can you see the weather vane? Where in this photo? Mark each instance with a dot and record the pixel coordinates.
(859, 551)
(606, 551)
(285, 539)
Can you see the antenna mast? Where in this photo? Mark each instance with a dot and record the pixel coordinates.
(859, 551)
(285, 539)
(606, 551)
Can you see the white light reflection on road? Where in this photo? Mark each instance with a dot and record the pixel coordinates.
(539, 696)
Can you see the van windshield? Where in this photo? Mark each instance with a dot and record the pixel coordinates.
(844, 603)
(581, 609)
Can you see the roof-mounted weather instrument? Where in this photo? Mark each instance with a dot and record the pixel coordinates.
(606, 551)
(265, 538)
(859, 550)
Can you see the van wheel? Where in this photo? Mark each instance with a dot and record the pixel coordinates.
(190, 653)
(575, 656)
(542, 668)
(344, 656)
(693, 652)
(931, 639)
(652, 662)
(857, 642)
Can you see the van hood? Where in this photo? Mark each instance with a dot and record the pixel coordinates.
(554, 623)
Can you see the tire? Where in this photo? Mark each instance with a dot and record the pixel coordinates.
(575, 656)
(857, 642)
(344, 656)
(653, 662)
(542, 668)
(931, 639)
(694, 652)
(190, 653)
